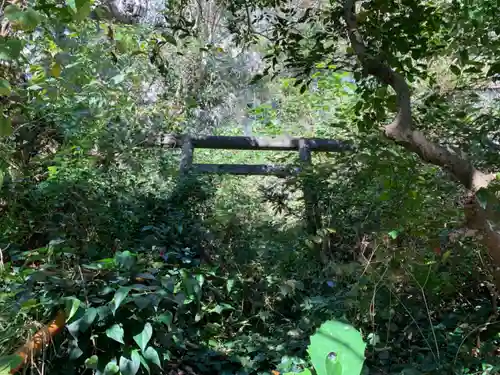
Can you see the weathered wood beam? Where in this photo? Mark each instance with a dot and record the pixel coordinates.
(313, 218)
(186, 156)
(250, 143)
(246, 169)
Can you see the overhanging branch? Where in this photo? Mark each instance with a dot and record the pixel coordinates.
(401, 128)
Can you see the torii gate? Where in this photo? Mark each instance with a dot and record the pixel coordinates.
(305, 146)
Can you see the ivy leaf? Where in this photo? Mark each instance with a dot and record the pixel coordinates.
(143, 338)
(91, 362)
(5, 88)
(482, 197)
(152, 356)
(82, 324)
(116, 332)
(166, 318)
(111, 368)
(144, 364)
(130, 367)
(229, 285)
(120, 295)
(72, 304)
(88, 318)
(125, 259)
(393, 234)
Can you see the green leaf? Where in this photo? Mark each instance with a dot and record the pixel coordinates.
(125, 259)
(111, 368)
(305, 371)
(72, 4)
(10, 49)
(143, 338)
(455, 70)
(152, 356)
(13, 13)
(130, 367)
(91, 362)
(9, 362)
(332, 364)
(144, 364)
(120, 295)
(5, 126)
(116, 332)
(82, 324)
(229, 285)
(30, 19)
(482, 197)
(166, 318)
(5, 88)
(337, 349)
(393, 234)
(75, 352)
(88, 318)
(72, 304)
(83, 9)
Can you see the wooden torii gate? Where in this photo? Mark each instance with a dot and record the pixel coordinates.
(304, 146)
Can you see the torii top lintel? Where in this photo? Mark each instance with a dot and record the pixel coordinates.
(252, 143)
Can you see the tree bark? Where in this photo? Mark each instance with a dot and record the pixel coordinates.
(401, 131)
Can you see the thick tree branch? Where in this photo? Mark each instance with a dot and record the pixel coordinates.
(401, 129)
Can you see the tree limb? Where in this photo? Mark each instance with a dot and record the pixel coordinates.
(401, 129)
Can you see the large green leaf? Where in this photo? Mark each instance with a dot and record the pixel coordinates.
(337, 349)
(130, 366)
(152, 356)
(13, 13)
(125, 259)
(82, 324)
(118, 298)
(111, 368)
(143, 338)
(166, 318)
(116, 333)
(71, 304)
(30, 19)
(91, 362)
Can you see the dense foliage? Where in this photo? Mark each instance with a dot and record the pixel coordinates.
(153, 271)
